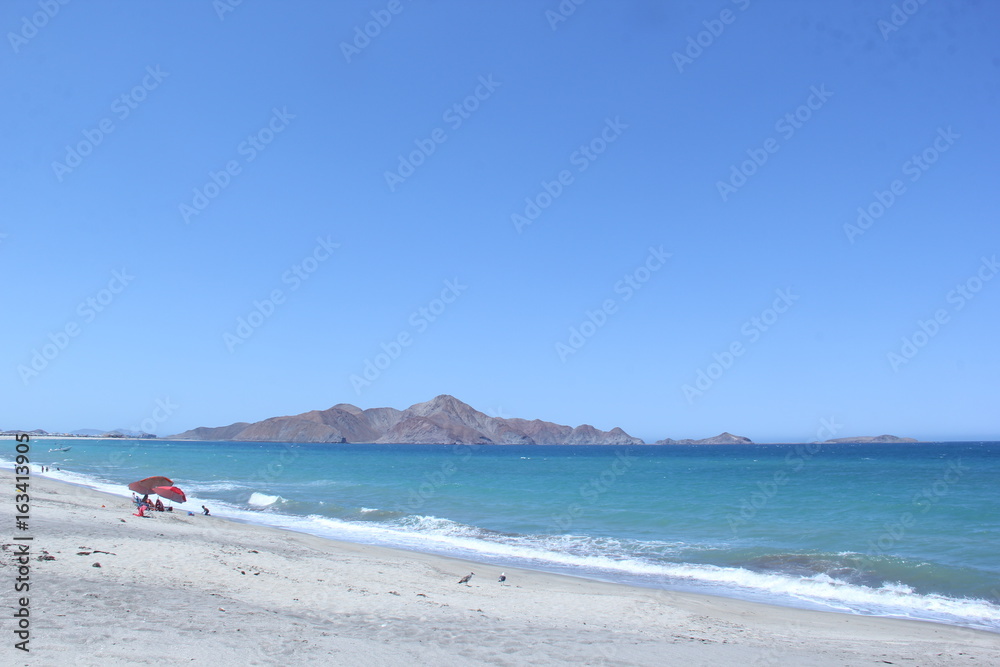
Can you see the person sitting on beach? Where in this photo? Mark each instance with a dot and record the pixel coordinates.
(141, 512)
(135, 498)
(204, 510)
(159, 505)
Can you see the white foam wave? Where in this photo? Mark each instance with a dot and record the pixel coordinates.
(258, 499)
(896, 587)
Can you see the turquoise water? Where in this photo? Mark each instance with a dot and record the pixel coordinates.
(896, 530)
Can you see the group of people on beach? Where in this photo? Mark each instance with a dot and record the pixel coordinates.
(144, 505)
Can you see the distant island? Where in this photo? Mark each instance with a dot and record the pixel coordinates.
(721, 439)
(870, 440)
(443, 420)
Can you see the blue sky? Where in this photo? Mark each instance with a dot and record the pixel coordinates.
(695, 262)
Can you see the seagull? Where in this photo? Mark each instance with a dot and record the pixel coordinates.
(466, 578)
(503, 578)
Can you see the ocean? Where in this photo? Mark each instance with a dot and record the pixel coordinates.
(897, 530)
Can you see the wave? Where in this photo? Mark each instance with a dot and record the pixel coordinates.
(376, 515)
(214, 487)
(258, 499)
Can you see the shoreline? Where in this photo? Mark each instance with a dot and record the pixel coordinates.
(309, 598)
(949, 611)
(904, 600)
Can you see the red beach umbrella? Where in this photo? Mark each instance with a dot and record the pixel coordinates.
(145, 486)
(170, 493)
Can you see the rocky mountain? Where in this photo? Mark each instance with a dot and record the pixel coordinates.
(871, 439)
(721, 439)
(220, 433)
(442, 420)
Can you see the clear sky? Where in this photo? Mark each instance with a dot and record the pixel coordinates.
(638, 214)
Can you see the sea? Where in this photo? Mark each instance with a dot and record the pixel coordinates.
(895, 530)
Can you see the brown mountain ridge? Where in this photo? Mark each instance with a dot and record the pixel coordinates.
(443, 420)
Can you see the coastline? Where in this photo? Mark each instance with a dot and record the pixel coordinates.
(207, 587)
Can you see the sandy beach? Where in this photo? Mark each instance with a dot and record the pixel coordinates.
(204, 590)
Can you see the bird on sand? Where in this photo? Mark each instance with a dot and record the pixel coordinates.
(466, 578)
(503, 578)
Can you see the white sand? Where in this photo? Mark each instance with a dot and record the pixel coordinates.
(201, 590)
